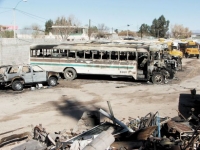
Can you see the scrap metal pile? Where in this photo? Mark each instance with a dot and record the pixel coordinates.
(151, 132)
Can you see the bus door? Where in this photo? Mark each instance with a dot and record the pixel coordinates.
(142, 64)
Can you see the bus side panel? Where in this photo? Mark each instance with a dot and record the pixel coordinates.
(90, 67)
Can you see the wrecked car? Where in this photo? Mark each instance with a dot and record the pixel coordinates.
(16, 76)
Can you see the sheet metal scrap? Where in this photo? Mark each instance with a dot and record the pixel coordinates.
(31, 145)
(126, 145)
(14, 138)
(88, 120)
(148, 133)
(16, 135)
(142, 134)
(174, 127)
(94, 131)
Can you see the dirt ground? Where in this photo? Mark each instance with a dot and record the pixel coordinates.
(60, 107)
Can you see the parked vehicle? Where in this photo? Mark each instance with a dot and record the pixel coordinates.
(115, 60)
(191, 50)
(163, 60)
(172, 47)
(17, 76)
(173, 50)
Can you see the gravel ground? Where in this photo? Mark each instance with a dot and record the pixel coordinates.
(60, 107)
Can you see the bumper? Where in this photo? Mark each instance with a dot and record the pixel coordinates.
(193, 55)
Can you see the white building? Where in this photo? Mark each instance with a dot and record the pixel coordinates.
(69, 33)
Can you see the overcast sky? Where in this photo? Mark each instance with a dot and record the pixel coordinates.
(115, 14)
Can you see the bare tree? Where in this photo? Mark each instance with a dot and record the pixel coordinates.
(103, 30)
(65, 26)
(179, 31)
(36, 30)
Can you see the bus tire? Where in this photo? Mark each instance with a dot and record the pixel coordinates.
(197, 56)
(171, 73)
(52, 81)
(70, 74)
(157, 78)
(186, 55)
(17, 85)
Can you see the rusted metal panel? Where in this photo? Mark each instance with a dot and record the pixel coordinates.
(14, 137)
(174, 126)
(142, 134)
(127, 145)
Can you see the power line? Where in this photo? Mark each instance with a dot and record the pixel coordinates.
(6, 8)
(4, 11)
(30, 14)
(32, 17)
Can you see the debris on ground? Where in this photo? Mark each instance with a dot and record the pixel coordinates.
(150, 132)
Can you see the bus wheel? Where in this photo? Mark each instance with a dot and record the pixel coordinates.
(186, 55)
(70, 74)
(157, 78)
(197, 56)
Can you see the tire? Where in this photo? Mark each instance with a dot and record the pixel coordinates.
(157, 78)
(17, 86)
(70, 74)
(168, 73)
(179, 64)
(52, 81)
(179, 67)
(186, 55)
(197, 56)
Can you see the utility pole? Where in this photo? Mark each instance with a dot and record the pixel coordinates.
(14, 16)
(127, 29)
(89, 31)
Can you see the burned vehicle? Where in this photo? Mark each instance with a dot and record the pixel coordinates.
(16, 76)
(163, 61)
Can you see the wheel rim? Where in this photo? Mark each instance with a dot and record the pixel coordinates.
(18, 86)
(158, 79)
(53, 82)
(69, 74)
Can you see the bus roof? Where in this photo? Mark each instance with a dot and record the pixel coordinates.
(89, 47)
(79, 46)
(42, 46)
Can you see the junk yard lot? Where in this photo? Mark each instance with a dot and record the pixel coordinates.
(60, 107)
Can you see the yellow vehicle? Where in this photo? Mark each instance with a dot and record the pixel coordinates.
(176, 54)
(173, 49)
(191, 50)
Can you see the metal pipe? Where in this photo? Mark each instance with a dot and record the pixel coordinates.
(115, 120)
(111, 111)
